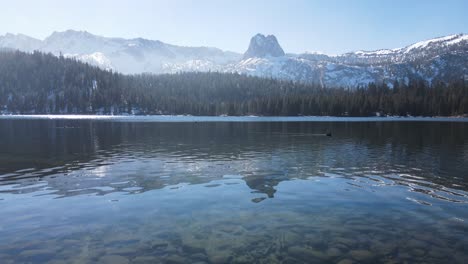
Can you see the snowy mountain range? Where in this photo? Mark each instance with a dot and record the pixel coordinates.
(439, 59)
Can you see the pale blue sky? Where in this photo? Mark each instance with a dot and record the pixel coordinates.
(331, 26)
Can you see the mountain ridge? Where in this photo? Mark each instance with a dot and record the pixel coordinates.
(434, 59)
(72, 32)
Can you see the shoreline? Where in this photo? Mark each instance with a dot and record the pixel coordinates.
(250, 118)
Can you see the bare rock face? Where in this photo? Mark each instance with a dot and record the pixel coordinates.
(262, 46)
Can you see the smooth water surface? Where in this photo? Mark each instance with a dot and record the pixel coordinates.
(123, 190)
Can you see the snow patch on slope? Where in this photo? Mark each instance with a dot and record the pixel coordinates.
(96, 59)
(424, 44)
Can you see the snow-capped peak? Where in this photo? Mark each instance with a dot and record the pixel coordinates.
(447, 40)
(430, 43)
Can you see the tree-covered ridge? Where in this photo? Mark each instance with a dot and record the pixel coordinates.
(43, 83)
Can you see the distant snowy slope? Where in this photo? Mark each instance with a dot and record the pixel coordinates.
(20, 42)
(125, 55)
(441, 59)
(421, 50)
(96, 59)
(438, 59)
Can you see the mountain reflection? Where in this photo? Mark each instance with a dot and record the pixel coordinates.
(75, 157)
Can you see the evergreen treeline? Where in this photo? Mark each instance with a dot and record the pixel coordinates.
(43, 83)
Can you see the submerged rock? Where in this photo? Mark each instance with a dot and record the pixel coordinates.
(55, 261)
(418, 252)
(198, 256)
(436, 252)
(305, 254)
(219, 258)
(345, 261)
(158, 244)
(37, 253)
(361, 255)
(345, 241)
(414, 243)
(144, 260)
(113, 259)
(291, 237)
(334, 252)
(175, 259)
(121, 251)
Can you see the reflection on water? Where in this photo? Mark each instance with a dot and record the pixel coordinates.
(102, 191)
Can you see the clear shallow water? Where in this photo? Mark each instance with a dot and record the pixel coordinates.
(114, 191)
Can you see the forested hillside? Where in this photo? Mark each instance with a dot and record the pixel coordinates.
(43, 83)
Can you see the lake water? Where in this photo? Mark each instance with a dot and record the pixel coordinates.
(233, 190)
